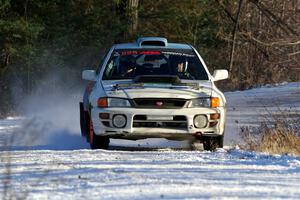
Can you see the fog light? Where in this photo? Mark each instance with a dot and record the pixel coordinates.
(104, 115)
(200, 121)
(119, 121)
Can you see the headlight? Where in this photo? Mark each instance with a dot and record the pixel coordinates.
(112, 102)
(201, 102)
(116, 102)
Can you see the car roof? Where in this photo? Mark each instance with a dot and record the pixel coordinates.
(164, 44)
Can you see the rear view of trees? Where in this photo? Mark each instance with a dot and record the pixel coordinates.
(39, 37)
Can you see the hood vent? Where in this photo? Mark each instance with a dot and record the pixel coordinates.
(157, 79)
(152, 41)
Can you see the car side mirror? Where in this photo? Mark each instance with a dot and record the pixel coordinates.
(220, 74)
(89, 75)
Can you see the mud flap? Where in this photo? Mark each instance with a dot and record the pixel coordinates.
(211, 143)
(83, 127)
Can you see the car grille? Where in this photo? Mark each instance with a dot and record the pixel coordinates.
(144, 121)
(159, 103)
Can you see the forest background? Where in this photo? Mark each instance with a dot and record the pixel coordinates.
(258, 41)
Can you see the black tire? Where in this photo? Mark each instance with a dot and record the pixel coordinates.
(97, 142)
(211, 143)
(100, 142)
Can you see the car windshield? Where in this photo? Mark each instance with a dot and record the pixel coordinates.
(127, 64)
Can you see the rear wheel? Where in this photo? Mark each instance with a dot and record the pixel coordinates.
(97, 142)
(211, 143)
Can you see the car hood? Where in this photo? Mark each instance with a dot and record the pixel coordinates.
(131, 91)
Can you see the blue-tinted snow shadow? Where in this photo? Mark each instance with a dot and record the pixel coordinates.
(57, 140)
(65, 140)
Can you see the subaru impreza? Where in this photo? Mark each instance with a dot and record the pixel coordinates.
(153, 89)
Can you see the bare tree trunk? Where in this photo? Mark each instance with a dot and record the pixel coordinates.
(127, 10)
(234, 35)
(284, 26)
(133, 15)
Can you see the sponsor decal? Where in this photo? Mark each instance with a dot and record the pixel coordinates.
(177, 53)
(126, 53)
(90, 86)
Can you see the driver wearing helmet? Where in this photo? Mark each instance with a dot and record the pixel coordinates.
(182, 70)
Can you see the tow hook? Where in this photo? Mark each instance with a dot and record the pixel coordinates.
(198, 134)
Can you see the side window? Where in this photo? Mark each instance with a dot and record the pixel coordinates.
(109, 68)
(197, 73)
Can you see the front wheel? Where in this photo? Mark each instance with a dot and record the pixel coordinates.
(211, 143)
(97, 142)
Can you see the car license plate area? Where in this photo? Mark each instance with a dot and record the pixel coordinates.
(159, 118)
(160, 121)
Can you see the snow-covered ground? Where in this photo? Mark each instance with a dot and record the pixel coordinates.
(57, 164)
(250, 107)
(164, 174)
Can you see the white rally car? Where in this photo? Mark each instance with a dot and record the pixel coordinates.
(153, 89)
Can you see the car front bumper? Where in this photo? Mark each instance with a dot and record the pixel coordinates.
(139, 129)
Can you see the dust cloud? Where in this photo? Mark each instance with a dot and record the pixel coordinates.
(51, 113)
